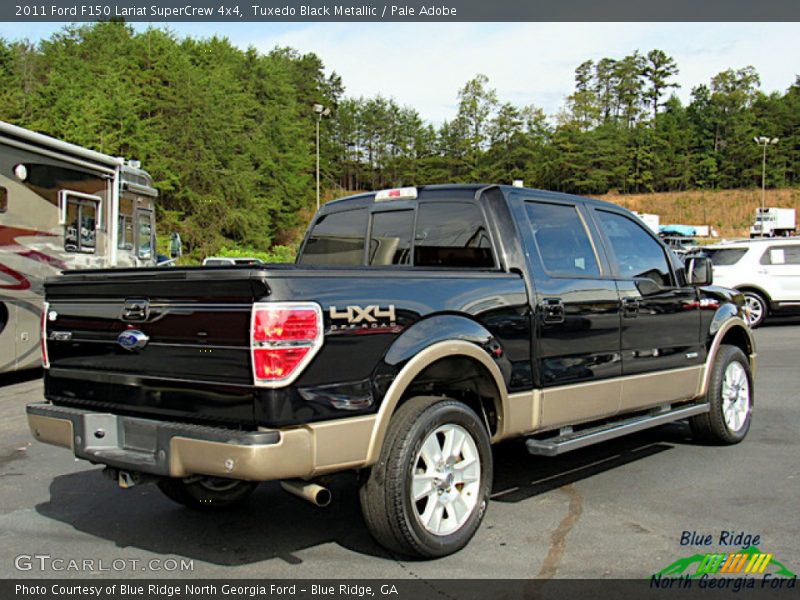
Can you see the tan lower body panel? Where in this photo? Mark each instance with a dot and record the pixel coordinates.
(49, 430)
(569, 404)
(342, 444)
(652, 389)
(523, 413)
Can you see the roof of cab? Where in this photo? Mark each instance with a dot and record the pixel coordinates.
(369, 197)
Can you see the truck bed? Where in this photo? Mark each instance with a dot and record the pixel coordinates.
(196, 365)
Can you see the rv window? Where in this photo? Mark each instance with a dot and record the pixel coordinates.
(144, 250)
(125, 226)
(80, 231)
(3, 199)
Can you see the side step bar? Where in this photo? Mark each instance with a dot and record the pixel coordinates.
(572, 440)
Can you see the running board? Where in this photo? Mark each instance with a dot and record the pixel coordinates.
(572, 440)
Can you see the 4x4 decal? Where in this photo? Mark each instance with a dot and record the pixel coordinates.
(371, 316)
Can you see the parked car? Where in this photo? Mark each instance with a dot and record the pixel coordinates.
(766, 271)
(417, 327)
(679, 244)
(219, 261)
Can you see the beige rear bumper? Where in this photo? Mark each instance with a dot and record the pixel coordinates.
(178, 450)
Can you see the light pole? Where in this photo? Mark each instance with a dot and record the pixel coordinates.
(764, 141)
(320, 111)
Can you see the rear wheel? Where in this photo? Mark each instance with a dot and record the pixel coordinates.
(428, 492)
(730, 396)
(757, 308)
(209, 493)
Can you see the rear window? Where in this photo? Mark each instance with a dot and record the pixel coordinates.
(724, 257)
(337, 239)
(452, 234)
(390, 240)
(448, 234)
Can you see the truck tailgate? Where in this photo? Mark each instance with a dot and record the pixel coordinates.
(194, 325)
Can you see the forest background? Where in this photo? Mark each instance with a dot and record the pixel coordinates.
(229, 134)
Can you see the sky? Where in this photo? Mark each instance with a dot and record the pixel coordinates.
(423, 65)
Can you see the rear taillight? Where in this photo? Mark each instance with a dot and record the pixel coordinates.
(43, 332)
(284, 337)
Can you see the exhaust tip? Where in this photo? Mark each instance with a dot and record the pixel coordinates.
(312, 492)
(323, 497)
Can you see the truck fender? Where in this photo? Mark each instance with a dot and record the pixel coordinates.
(727, 327)
(438, 328)
(429, 352)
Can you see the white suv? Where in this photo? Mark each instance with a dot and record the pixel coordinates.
(766, 271)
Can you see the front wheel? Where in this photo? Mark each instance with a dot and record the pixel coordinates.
(206, 493)
(427, 494)
(730, 396)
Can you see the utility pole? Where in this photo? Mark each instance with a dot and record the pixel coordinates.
(764, 141)
(320, 111)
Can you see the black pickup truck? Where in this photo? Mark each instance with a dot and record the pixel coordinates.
(417, 327)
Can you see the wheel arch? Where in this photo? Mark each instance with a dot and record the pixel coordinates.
(735, 332)
(443, 354)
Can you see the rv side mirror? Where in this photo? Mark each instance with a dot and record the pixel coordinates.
(699, 270)
(175, 245)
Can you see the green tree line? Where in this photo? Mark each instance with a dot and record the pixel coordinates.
(621, 129)
(229, 134)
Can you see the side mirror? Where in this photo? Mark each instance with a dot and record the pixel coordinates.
(175, 245)
(647, 287)
(699, 271)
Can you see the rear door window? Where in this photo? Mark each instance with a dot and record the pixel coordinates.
(562, 240)
(452, 234)
(337, 239)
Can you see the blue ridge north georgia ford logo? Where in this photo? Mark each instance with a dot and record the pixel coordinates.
(133, 339)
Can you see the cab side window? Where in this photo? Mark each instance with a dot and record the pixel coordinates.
(562, 240)
(3, 199)
(637, 254)
(452, 234)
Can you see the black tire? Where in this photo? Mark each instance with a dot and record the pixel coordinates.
(712, 427)
(759, 307)
(391, 515)
(206, 493)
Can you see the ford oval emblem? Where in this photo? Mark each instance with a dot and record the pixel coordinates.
(133, 339)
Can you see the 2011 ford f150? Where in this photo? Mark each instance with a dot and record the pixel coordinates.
(417, 327)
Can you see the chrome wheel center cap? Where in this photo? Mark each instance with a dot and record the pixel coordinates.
(445, 481)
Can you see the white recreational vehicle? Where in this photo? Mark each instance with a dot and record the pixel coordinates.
(62, 207)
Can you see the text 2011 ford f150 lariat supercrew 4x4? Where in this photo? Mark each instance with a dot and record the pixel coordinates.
(417, 327)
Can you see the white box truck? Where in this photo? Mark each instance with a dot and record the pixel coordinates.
(773, 222)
